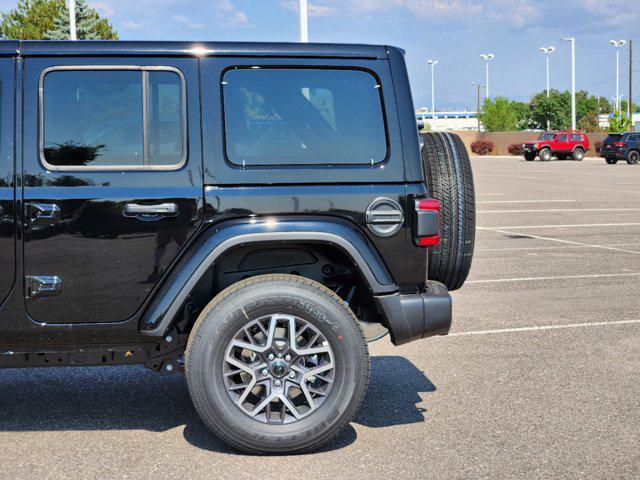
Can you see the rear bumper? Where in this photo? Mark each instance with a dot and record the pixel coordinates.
(612, 153)
(414, 316)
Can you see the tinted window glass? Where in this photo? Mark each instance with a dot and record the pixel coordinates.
(561, 138)
(634, 138)
(93, 118)
(165, 119)
(303, 116)
(576, 138)
(612, 138)
(546, 136)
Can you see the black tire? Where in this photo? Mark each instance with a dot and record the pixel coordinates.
(529, 157)
(231, 311)
(578, 154)
(611, 160)
(545, 154)
(449, 179)
(633, 157)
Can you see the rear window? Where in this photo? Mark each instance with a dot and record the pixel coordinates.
(303, 116)
(612, 138)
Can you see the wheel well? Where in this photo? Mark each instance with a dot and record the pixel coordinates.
(325, 264)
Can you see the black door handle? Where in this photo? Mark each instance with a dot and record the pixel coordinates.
(150, 212)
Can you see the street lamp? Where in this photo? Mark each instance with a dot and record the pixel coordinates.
(572, 41)
(433, 63)
(304, 23)
(487, 57)
(617, 44)
(547, 51)
(479, 85)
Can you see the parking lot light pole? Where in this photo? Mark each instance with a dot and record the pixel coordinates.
(72, 20)
(304, 21)
(617, 44)
(572, 41)
(547, 51)
(487, 57)
(433, 63)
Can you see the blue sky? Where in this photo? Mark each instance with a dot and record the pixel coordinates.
(454, 32)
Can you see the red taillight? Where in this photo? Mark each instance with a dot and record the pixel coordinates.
(619, 144)
(428, 222)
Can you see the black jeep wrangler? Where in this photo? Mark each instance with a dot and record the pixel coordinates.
(250, 214)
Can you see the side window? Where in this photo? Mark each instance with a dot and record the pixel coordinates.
(561, 138)
(634, 139)
(115, 118)
(576, 138)
(291, 116)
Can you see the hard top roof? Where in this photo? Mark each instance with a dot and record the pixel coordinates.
(160, 48)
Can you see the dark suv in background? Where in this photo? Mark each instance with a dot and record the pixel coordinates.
(621, 146)
(248, 214)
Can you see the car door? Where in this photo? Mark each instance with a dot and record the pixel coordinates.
(561, 143)
(7, 183)
(112, 182)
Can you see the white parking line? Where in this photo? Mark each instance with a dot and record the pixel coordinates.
(560, 277)
(560, 240)
(542, 327)
(564, 247)
(523, 201)
(489, 194)
(562, 210)
(574, 225)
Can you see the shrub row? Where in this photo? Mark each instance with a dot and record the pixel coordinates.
(482, 147)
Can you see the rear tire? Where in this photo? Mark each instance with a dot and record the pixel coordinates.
(449, 179)
(633, 157)
(235, 366)
(545, 154)
(578, 154)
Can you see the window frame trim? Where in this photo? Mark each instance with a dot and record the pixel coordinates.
(146, 166)
(296, 66)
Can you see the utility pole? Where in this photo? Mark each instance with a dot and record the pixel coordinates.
(72, 20)
(478, 104)
(572, 41)
(304, 21)
(487, 57)
(433, 63)
(631, 80)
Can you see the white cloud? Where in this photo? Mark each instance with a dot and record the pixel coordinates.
(187, 22)
(613, 12)
(132, 25)
(315, 10)
(102, 8)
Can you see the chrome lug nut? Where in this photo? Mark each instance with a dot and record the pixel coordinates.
(271, 356)
(287, 358)
(292, 374)
(277, 383)
(265, 372)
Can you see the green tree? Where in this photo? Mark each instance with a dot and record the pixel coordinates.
(89, 25)
(30, 20)
(557, 110)
(589, 123)
(502, 115)
(620, 123)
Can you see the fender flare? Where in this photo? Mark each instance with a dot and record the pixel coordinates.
(218, 239)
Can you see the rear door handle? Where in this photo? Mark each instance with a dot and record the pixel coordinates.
(150, 212)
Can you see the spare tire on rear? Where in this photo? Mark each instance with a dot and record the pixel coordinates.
(449, 179)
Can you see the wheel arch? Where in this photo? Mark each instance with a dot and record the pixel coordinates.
(217, 241)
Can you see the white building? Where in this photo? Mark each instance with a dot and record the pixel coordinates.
(603, 121)
(451, 120)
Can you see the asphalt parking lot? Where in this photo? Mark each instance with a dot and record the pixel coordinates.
(540, 377)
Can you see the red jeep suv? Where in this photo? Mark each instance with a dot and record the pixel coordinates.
(562, 145)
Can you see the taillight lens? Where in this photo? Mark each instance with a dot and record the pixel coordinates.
(428, 222)
(619, 144)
